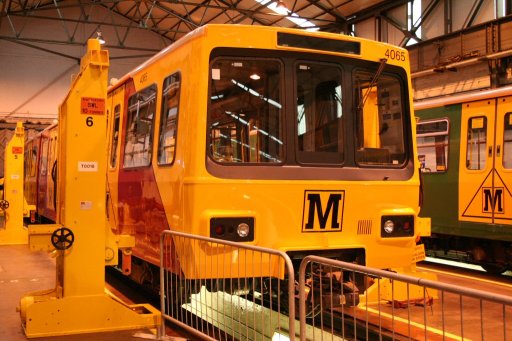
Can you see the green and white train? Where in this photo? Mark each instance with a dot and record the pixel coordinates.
(465, 152)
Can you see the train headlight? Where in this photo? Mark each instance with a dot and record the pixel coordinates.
(243, 230)
(236, 229)
(389, 226)
(393, 226)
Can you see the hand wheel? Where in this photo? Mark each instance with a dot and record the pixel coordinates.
(63, 238)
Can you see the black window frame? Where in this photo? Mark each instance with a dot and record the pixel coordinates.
(162, 113)
(406, 121)
(319, 158)
(116, 127)
(291, 169)
(150, 134)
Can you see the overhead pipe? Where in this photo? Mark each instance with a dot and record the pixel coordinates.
(467, 62)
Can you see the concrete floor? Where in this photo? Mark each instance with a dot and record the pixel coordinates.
(22, 271)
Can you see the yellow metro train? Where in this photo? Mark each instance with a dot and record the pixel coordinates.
(293, 140)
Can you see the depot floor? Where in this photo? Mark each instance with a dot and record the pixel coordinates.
(22, 271)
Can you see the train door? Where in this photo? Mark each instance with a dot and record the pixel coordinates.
(503, 162)
(486, 162)
(115, 108)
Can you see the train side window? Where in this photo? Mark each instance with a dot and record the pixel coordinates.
(54, 149)
(50, 154)
(28, 160)
(44, 157)
(507, 141)
(380, 120)
(245, 113)
(169, 119)
(432, 137)
(319, 113)
(115, 136)
(476, 155)
(33, 161)
(139, 138)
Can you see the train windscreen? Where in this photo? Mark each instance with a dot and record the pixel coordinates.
(331, 112)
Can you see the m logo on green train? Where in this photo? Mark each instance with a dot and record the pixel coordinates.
(493, 201)
(323, 211)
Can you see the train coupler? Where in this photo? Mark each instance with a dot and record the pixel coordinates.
(329, 290)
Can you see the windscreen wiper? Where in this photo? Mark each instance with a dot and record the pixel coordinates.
(372, 83)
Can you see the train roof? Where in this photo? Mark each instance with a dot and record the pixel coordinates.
(52, 126)
(203, 30)
(463, 98)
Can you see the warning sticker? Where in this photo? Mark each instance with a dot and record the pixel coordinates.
(87, 166)
(85, 205)
(17, 150)
(92, 106)
(419, 253)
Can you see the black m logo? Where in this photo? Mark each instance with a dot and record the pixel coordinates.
(323, 211)
(493, 201)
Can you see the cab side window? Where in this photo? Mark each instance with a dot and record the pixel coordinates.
(33, 161)
(115, 136)
(139, 137)
(169, 120)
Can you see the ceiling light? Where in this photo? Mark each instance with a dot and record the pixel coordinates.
(255, 76)
(281, 7)
(100, 37)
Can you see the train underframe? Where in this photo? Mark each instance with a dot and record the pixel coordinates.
(494, 256)
(325, 286)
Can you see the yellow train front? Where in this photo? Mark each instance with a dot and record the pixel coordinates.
(298, 141)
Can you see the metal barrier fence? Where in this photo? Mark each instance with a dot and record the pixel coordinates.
(225, 290)
(414, 308)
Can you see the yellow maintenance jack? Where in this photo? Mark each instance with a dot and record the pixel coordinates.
(12, 209)
(78, 303)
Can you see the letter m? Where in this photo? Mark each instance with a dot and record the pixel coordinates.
(493, 200)
(315, 210)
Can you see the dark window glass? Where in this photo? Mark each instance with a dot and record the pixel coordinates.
(507, 141)
(319, 113)
(380, 119)
(245, 112)
(316, 43)
(169, 119)
(139, 138)
(115, 136)
(476, 157)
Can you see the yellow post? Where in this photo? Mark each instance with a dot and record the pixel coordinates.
(79, 304)
(11, 206)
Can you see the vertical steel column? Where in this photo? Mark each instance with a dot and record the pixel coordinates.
(13, 199)
(79, 304)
